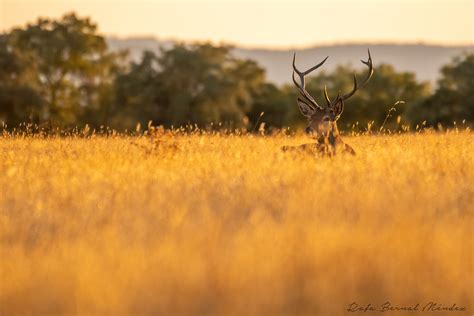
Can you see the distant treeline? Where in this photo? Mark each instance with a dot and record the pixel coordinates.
(61, 72)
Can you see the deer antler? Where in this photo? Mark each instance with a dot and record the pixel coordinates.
(371, 72)
(308, 99)
(328, 101)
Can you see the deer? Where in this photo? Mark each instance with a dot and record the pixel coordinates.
(322, 120)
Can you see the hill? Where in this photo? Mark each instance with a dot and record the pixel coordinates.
(423, 59)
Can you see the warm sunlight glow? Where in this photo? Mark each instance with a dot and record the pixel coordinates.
(229, 225)
(281, 23)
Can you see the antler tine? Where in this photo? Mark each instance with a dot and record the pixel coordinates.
(369, 75)
(304, 73)
(371, 68)
(328, 101)
(354, 89)
(303, 92)
(301, 86)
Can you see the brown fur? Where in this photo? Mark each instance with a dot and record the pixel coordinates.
(323, 120)
(327, 144)
(324, 146)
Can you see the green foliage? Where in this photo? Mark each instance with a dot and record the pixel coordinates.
(136, 93)
(274, 107)
(372, 102)
(70, 63)
(453, 99)
(19, 100)
(61, 71)
(189, 84)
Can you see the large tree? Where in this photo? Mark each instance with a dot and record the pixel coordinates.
(189, 84)
(372, 102)
(205, 84)
(70, 62)
(453, 99)
(136, 93)
(274, 106)
(19, 99)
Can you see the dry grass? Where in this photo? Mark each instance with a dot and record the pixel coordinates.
(226, 225)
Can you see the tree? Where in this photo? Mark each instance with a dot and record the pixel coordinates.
(204, 84)
(19, 100)
(70, 62)
(372, 102)
(137, 93)
(277, 106)
(453, 99)
(189, 84)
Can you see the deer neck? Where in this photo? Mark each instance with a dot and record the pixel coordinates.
(330, 137)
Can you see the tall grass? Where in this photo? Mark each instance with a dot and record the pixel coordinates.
(214, 224)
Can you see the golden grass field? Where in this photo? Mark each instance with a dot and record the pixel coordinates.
(230, 225)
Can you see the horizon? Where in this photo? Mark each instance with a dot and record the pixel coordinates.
(286, 48)
(444, 24)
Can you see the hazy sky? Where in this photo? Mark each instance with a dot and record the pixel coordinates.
(264, 23)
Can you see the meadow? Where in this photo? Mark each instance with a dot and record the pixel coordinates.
(215, 224)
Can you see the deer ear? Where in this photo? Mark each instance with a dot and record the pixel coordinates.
(338, 107)
(305, 108)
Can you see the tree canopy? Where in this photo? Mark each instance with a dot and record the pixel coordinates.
(69, 65)
(453, 100)
(62, 71)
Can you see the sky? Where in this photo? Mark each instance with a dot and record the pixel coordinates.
(264, 23)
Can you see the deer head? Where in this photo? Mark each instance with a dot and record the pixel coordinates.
(322, 119)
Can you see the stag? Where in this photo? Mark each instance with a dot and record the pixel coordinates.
(322, 120)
